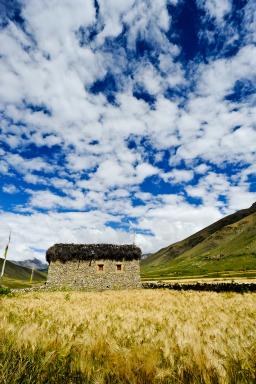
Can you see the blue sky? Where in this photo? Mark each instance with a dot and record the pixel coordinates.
(124, 115)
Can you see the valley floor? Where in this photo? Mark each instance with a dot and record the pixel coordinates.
(204, 279)
(140, 336)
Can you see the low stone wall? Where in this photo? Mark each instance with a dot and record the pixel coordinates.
(31, 289)
(210, 287)
(85, 274)
(215, 287)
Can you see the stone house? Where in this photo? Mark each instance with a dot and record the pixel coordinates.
(94, 266)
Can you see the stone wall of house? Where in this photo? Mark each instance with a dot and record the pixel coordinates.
(87, 274)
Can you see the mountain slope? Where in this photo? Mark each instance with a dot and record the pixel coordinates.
(18, 276)
(226, 245)
(32, 263)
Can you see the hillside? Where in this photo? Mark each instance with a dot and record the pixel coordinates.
(32, 263)
(16, 276)
(224, 248)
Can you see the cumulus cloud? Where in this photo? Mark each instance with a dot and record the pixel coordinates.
(177, 176)
(103, 121)
(172, 219)
(216, 8)
(9, 188)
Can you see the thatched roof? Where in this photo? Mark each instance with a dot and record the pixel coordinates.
(67, 252)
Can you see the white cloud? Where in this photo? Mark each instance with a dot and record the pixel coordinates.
(9, 188)
(150, 79)
(34, 179)
(39, 230)
(202, 168)
(219, 77)
(217, 9)
(3, 167)
(237, 195)
(112, 13)
(48, 200)
(169, 221)
(112, 173)
(250, 21)
(53, 18)
(23, 165)
(46, 76)
(177, 176)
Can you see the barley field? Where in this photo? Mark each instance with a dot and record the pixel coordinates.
(141, 336)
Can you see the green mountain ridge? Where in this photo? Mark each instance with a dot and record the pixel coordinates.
(224, 248)
(16, 276)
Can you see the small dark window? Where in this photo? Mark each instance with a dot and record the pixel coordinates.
(100, 267)
(119, 267)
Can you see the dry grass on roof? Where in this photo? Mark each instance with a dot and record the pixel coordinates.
(67, 252)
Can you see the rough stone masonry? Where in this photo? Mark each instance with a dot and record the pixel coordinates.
(94, 266)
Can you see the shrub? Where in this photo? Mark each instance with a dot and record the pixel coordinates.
(4, 291)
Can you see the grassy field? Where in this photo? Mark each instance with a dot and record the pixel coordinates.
(173, 274)
(228, 252)
(16, 276)
(140, 336)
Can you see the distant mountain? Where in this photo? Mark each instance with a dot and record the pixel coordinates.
(17, 276)
(145, 255)
(227, 245)
(32, 263)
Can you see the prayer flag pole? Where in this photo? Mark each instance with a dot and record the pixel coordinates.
(5, 255)
(32, 275)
